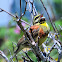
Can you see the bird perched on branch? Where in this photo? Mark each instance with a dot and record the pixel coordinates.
(39, 29)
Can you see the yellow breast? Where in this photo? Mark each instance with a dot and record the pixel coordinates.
(45, 25)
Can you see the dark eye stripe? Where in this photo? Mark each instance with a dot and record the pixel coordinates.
(36, 17)
(36, 22)
(42, 20)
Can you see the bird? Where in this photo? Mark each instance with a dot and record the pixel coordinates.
(39, 29)
(21, 45)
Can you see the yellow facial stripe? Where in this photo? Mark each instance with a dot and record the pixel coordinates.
(37, 16)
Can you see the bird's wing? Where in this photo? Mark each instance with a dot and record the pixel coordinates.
(36, 30)
(21, 40)
(22, 43)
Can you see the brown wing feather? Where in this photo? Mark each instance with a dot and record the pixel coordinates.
(21, 40)
(36, 30)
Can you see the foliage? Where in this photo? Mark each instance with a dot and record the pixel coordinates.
(57, 1)
(10, 36)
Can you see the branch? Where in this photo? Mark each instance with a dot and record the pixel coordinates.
(28, 38)
(60, 27)
(60, 55)
(30, 41)
(28, 57)
(4, 56)
(48, 15)
(34, 11)
(25, 59)
(16, 58)
(14, 16)
(24, 10)
(8, 13)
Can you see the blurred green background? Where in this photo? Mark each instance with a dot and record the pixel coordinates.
(9, 30)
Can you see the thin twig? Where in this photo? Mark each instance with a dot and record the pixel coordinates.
(38, 42)
(56, 28)
(16, 58)
(13, 51)
(28, 56)
(8, 13)
(11, 58)
(1, 10)
(34, 11)
(48, 15)
(31, 11)
(49, 19)
(60, 27)
(51, 49)
(9, 51)
(4, 56)
(13, 46)
(60, 55)
(24, 10)
(15, 16)
(25, 59)
(29, 38)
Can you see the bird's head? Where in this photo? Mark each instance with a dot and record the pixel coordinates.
(39, 19)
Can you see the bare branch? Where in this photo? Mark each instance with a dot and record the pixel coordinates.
(48, 15)
(9, 51)
(35, 48)
(13, 46)
(60, 27)
(1, 10)
(56, 28)
(11, 58)
(16, 58)
(51, 48)
(60, 56)
(24, 10)
(8, 13)
(4, 56)
(15, 16)
(28, 57)
(25, 59)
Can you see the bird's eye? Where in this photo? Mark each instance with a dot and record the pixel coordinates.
(42, 20)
